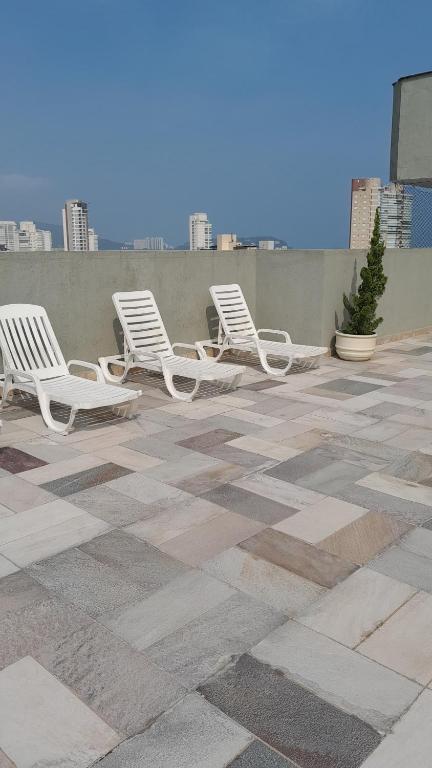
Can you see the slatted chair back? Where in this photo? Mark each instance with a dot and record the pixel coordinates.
(233, 311)
(142, 324)
(28, 342)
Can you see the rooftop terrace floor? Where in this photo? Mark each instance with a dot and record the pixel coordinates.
(242, 581)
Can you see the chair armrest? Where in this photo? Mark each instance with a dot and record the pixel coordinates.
(92, 366)
(30, 376)
(183, 345)
(276, 332)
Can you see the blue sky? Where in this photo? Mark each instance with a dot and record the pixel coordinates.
(256, 111)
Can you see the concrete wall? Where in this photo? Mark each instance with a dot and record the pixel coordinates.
(411, 146)
(300, 291)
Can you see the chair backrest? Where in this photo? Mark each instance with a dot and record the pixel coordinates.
(233, 311)
(142, 324)
(28, 342)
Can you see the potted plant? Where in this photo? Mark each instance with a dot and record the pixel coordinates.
(357, 339)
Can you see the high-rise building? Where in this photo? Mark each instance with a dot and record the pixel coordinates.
(200, 232)
(226, 242)
(150, 244)
(365, 199)
(93, 240)
(75, 226)
(33, 239)
(24, 237)
(9, 235)
(396, 216)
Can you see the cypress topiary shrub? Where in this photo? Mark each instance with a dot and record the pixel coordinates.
(362, 305)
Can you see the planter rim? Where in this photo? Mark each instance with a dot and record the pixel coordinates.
(357, 335)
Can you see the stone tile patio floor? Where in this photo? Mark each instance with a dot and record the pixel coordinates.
(243, 581)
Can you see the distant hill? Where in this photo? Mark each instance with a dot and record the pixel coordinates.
(246, 240)
(57, 238)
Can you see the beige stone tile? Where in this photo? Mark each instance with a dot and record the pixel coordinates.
(173, 522)
(265, 581)
(318, 521)
(410, 744)
(208, 539)
(20, 495)
(60, 469)
(353, 609)
(264, 448)
(260, 419)
(93, 444)
(32, 520)
(395, 486)
(278, 490)
(412, 439)
(43, 723)
(6, 567)
(125, 457)
(365, 537)
(404, 642)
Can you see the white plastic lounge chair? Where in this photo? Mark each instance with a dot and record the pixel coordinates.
(146, 345)
(237, 331)
(33, 363)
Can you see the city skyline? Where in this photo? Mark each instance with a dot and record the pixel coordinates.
(238, 94)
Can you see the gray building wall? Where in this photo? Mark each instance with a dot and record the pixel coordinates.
(299, 291)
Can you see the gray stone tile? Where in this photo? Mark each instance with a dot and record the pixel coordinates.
(91, 585)
(136, 560)
(110, 505)
(339, 675)
(184, 599)
(204, 646)
(249, 504)
(299, 466)
(120, 684)
(418, 541)
(409, 511)
(155, 446)
(405, 566)
(235, 455)
(79, 481)
(289, 718)
(299, 557)
(18, 590)
(385, 410)
(36, 627)
(349, 387)
(415, 467)
(209, 439)
(145, 489)
(257, 755)
(333, 478)
(191, 735)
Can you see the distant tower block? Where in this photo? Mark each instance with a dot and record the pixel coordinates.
(411, 145)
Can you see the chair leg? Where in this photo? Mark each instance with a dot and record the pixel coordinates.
(269, 369)
(56, 426)
(111, 377)
(235, 381)
(175, 393)
(7, 386)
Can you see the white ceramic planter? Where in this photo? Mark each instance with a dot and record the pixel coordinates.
(357, 348)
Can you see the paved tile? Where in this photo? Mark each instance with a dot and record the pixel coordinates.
(263, 447)
(6, 567)
(278, 490)
(59, 729)
(408, 511)
(275, 586)
(5, 762)
(18, 495)
(257, 755)
(301, 465)
(356, 607)
(405, 565)
(109, 505)
(60, 469)
(289, 718)
(18, 591)
(144, 623)
(299, 557)
(404, 641)
(207, 644)
(349, 387)
(175, 521)
(145, 489)
(410, 744)
(48, 450)
(88, 478)
(208, 439)
(394, 486)
(135, 461)
(204, 541)
(191, 735)
(14, 460)
(137, 561)
(318, 521)
(84, 581)
(119, 683)
(365, 537)
(418, 541)
(249, 504)
(337, 674)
